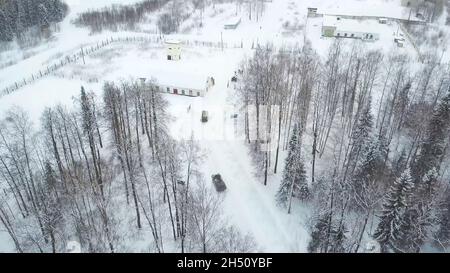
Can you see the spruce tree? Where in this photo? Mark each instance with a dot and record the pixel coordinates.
(327, 237)
(43, 16)
(6, 33)
(360, 139)
(86, 112)
(56, 10)
(361, 133)
(318, 235)
(52, 212)
(21, 22)
(426, 168)
(433, 147)
(365, 181)
(443, 233)
(294, 175)
(392, 217)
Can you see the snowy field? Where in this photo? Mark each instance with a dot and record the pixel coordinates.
(248, 204)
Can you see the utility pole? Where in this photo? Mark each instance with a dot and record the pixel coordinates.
(221, 39)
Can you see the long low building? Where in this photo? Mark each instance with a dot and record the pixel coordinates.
(335, 26)
(233, 23)
(183, 84)
(193, 87)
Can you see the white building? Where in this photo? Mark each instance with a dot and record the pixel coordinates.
(173, 50)
(233, 23)
(383, 21)
(192, 86)
(312, 12)
(335, 26)
(185, 85)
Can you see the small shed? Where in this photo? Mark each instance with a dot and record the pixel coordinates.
(233, 23)
(383, 21)
(173, 50)
(312, 12)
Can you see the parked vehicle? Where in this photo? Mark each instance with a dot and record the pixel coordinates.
(204, 116)
(218, 183)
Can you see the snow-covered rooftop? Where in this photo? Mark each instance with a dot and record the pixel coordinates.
(176, 74)
(233, 21)
(173, 41)
(391, 9)
(351, 25)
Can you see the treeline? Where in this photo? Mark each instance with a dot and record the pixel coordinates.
(176, 12)
(106, 174)
(18, 16)
(370, 172)
(118, 17)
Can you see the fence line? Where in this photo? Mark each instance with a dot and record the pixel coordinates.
(88, 50)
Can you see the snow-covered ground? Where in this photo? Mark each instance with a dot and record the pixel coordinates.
(248, 204)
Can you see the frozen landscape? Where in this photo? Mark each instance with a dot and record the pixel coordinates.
(328, 122)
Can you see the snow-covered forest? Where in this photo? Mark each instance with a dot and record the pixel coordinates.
(325, 144)
(19, 16)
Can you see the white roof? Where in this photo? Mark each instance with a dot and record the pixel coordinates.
(172, 41)
(351, 25)
(233, 21)
(181, 80)
(374, 8)
(176, 74)
(329, 21)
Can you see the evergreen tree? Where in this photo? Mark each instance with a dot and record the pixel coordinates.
(318, 235)
(86, 112)
(443, 233)
(21, 19)
(326, 237)
(392, 218)
(433, 148)
(361, 133)
(420, 215)
(56, 10)
(360, 139)
(366, 179)
(426, 168)
(6, 33)
(427, 188)
(17, 16)
(294, 176)
(43, 16)
(52, 214)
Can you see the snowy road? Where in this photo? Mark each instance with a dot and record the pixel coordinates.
(248, 203)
